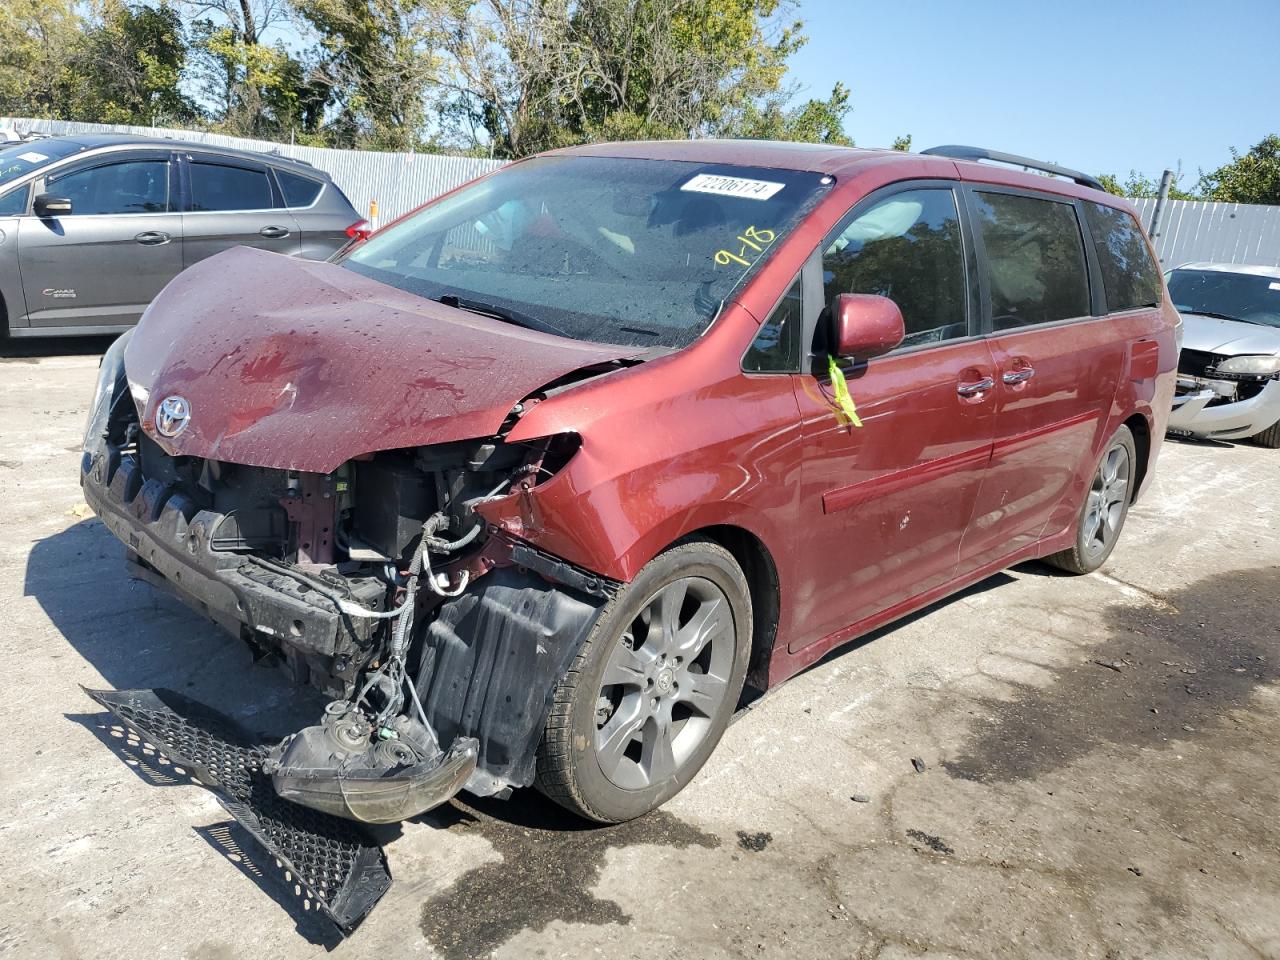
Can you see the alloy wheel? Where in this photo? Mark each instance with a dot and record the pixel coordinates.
(666, 678)
(1108, 499)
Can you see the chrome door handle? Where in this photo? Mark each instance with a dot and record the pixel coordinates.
(976, 387)
(152, 238)
(274, 233)
(1021, 375)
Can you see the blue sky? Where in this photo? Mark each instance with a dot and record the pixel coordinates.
(1102, 87)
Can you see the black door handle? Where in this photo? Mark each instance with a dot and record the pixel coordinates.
(152, 238)
(274, 233)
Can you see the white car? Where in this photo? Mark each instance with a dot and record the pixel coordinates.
(1229, 368)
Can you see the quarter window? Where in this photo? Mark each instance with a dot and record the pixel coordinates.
(776, 348)
(298, 191)
(1035, 259)
(14, 203)
(908, 248)
(215, 187)
(133, 186)
(1129, 276)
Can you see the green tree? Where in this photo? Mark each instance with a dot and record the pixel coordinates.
(127, 67)
(255, 90)
(36, 41)
(1253, 177)
(248, 86)
(377, 61)
(1137, 186)
(815, 121)
(518, 76)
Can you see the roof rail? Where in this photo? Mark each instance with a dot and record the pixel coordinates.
(957, 152)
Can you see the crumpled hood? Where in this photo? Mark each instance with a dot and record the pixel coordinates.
(299, 365)
(1229, 337)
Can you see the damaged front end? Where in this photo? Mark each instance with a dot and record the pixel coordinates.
(438, 639)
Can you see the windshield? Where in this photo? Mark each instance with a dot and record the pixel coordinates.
(21, 158)
(1240, 296)
(636, 252)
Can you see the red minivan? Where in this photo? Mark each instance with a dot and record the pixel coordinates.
(533, 481)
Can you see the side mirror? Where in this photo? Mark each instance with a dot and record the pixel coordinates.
(49, 205)
(866, 325)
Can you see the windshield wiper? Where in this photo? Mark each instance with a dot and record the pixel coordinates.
(505, 314)
(1216, 316)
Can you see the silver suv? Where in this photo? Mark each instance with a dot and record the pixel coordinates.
(93, 227)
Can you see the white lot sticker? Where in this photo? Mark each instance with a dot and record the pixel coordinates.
(1273, 286)
(33, 157)
(733, 186)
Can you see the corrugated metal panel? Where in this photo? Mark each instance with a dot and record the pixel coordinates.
(1192, 230)
(1225, 232)
(398, 181)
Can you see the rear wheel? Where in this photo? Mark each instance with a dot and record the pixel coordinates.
(1105, 508)
(1269, 437)
(653, 688)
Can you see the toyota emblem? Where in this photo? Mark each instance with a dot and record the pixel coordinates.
(172, 416)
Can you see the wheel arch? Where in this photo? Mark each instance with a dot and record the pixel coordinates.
(758, 567)
(1140, 427)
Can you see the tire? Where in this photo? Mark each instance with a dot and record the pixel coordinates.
(1269, 437)
(1098, 531)
(614, 751)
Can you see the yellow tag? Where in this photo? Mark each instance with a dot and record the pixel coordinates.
(847, 412)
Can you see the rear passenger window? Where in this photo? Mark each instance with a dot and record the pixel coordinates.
(1035, 259)
(1129, 276)
(776, 348)
(218, 187)
(298, 191)
(908, 248)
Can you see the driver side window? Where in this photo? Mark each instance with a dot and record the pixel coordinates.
(133, 186)
(907, 247)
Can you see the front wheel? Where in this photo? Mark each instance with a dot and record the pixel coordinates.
(1105, 508)
(651, 692)
(1269, 437)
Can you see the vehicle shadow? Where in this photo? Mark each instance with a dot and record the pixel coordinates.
(1201, 441)
(24, 350)
(230, 840)
(136, 636)
(238, 847)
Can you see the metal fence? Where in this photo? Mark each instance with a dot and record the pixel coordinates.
(1226, 232)
(1191, 230)
(398, 181)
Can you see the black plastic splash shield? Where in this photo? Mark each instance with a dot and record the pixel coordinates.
(342, 870)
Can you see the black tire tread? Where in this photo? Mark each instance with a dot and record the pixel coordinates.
(1269, 437)
(554, 777)
(1071, 560)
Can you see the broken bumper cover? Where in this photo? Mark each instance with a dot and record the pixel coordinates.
(1194, 416)
(339, 866)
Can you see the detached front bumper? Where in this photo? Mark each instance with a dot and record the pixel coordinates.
(1195, 415)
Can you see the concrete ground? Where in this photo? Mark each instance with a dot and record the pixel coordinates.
(1100, 775)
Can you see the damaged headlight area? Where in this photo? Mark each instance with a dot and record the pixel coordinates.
(438, 640)
(1249, 366)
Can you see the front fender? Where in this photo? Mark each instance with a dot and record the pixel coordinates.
(647, 474)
